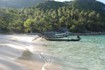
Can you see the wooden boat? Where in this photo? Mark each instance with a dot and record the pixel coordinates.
(61, 39)
(54, 39)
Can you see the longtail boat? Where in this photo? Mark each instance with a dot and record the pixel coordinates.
(63, 39)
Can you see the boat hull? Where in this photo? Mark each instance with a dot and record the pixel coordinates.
(55, 39)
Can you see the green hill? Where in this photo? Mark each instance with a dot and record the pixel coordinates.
(76, 16)
(19, 3)
(51, 5)
(87, 5)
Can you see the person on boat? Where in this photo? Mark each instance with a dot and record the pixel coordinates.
(78, 37)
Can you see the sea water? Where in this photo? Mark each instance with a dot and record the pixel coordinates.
(86, 54)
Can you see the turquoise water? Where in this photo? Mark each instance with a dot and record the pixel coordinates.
(87, 54)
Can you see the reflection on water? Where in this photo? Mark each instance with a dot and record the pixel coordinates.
(87, 54)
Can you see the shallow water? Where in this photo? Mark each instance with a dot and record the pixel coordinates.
(87, 54)
(17, 52)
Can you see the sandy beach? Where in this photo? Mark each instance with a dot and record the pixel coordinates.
(25, 52)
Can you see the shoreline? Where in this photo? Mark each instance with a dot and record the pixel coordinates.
(86, 34)
(92, 33)
(25, 54)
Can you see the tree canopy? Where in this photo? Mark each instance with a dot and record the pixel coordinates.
(53, 16)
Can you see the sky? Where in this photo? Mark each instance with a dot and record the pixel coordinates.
(69, 0)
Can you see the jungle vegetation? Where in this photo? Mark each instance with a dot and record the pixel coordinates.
(81, 17)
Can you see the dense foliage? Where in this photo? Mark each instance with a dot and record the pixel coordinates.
(54, 16)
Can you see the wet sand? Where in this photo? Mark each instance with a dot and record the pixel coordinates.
(25, 52)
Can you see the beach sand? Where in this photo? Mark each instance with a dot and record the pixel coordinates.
(25, 52)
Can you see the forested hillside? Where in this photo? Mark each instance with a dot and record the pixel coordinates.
(18, 3)
(53, 16)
